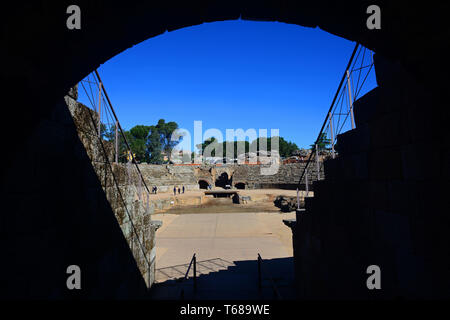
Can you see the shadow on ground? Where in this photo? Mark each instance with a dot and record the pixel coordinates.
(218, 279)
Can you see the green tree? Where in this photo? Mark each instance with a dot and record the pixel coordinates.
(108, 132)
(165, 130)
(159, 141)
(286, 148)
(137, 140)
(210, 141)
(323, 143)
(238, 147)
(154, 146)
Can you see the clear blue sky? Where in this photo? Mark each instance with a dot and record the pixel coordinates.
(232, 74)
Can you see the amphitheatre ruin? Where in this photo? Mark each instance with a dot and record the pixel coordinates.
(209, 189)
(381, 199)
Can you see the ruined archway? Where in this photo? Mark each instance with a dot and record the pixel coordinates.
(37, 81)
(203, 184)
(223, 180)
(240, 185)
(111, 28)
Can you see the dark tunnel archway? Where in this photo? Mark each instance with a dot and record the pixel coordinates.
(137, 21)
(223, 180)
(240, 185)
(203, 184)
(38, 80)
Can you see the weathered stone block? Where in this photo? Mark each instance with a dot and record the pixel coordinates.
(365, 108)
(333, 169)
(389, 130)
(419, 162)
(385, 163)
(398, 196)
(353, 141)
(73, 92)
(355, 166)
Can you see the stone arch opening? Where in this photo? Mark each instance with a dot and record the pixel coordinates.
(109, 30)
(203, 184)
(122, 26)
(240, 185)
(223, 180)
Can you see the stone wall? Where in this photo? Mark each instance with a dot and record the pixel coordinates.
(55, 214)
(165, 177)
(287, 176)
(385, 199)
(120, 184)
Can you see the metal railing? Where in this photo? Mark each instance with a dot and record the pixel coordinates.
(194, 264)
(106, 110)
(109, 129)
(276, 293)
(360, 66)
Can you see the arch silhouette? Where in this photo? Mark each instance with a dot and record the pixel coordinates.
(415, 35)
(223, 180)
(203, 184)
(240, 185)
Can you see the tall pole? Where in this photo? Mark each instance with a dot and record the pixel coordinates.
(259, 273)
(118, 124)
(350, 99)
(195, 273)
(306, 181)
(117, 143)
(332, 135)
(99, 108)
(332, 103)
(317, 163)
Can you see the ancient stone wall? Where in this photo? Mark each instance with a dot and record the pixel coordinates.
(286, 177)
(165, 177)
(120, 183)
(384, 201)
(56, 214)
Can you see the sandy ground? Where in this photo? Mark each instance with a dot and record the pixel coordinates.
(197, 193)
(226, 236)
(221, 231)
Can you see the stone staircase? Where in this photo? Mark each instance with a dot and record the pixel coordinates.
(378, 202)
(337, 226)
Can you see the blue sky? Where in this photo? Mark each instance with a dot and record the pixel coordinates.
(230, 75)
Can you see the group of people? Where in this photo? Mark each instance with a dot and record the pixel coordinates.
(179, 190)
(175, 189)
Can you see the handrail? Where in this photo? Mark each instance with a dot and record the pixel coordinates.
(331, 109)
(274, 287)
(109, 104)
(121, 130)
(193, 262)
(336, 118)
(123, 201)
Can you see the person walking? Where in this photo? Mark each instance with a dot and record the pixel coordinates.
(174, 191)
(183, 189)
(179, 190)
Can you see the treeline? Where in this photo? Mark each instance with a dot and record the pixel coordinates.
(286, 148)
(148, 143)
(153, 144)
